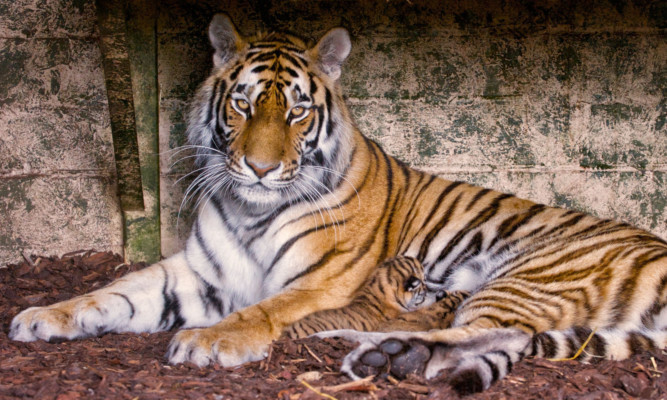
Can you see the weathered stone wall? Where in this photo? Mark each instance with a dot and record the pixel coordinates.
(57, 174)
(560, 102)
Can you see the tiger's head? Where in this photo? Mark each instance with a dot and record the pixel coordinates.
(269, 124)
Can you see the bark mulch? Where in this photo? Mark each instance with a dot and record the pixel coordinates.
(131, 366)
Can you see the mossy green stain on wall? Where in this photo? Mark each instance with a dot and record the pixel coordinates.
(616, 112)
(428, 144)
(12, 65)
(566, 63)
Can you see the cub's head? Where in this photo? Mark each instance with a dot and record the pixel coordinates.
(401, 281)
(269, 124)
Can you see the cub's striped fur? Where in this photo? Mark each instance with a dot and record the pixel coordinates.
(386, 302)
(297, 209)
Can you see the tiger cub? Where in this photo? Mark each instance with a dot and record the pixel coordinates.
(395, 297)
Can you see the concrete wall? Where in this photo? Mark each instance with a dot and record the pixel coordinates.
(57, 174)
(561, 102)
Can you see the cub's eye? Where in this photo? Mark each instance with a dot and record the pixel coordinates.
(242, 105)
(412, 283)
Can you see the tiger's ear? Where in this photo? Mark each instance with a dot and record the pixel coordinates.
(331, 51)
(224, 38)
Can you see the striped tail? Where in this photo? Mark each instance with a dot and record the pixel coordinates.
(476, 373)
(472, 364)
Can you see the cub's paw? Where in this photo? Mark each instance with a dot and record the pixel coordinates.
(213, 345)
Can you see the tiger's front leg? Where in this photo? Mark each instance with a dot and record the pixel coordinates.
(244, 335)
(159, 297)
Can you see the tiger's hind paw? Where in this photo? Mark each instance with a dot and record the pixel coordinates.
(470, 364)
(393, 355)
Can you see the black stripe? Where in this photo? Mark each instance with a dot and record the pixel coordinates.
(392, 209)
(639, 343)
(171, 313)
(222, 144)
(473, 249)
(127, 299)
(514, 222)
(296, 60)
(509, 363)
(235, 73)
(571, 346)
(328, 256)
(330, 124)
(597, 346)
(212, 100)
(426, 244)
(207, 252)
(211, 297)
(492, 366)
(259, 69)
(313, 85)
(477, 197)
(292, 72)
(407, 227)
(482, 217)
(260, 45)
(313, 143)
(288, 244)
(547, 343)
(265, 56)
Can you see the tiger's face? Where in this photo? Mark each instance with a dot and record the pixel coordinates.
(267, 122)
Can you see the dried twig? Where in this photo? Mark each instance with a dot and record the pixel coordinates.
(578, 353)
(306, 384)
(362, 385)
(27, 258)
(312, 354)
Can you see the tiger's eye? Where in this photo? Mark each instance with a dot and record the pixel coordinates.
(297, 111)
(242, 105)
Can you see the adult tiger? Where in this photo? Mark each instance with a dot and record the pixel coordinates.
(300, 208)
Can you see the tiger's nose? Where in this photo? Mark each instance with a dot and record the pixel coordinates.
(260, 168)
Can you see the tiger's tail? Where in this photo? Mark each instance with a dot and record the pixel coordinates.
(473, 363)
(478, 372)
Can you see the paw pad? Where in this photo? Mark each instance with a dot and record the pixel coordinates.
(412, 361)
(403, 359)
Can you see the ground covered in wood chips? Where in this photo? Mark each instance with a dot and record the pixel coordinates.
(130, 366)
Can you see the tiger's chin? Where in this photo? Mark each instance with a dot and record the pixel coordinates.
(259, 195)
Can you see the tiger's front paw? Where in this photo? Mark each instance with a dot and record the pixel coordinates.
(76, 318)
(42, 323)
(56, 323)
(227, 347)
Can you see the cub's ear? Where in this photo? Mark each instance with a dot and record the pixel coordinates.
(224, 38)
(331, 51)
